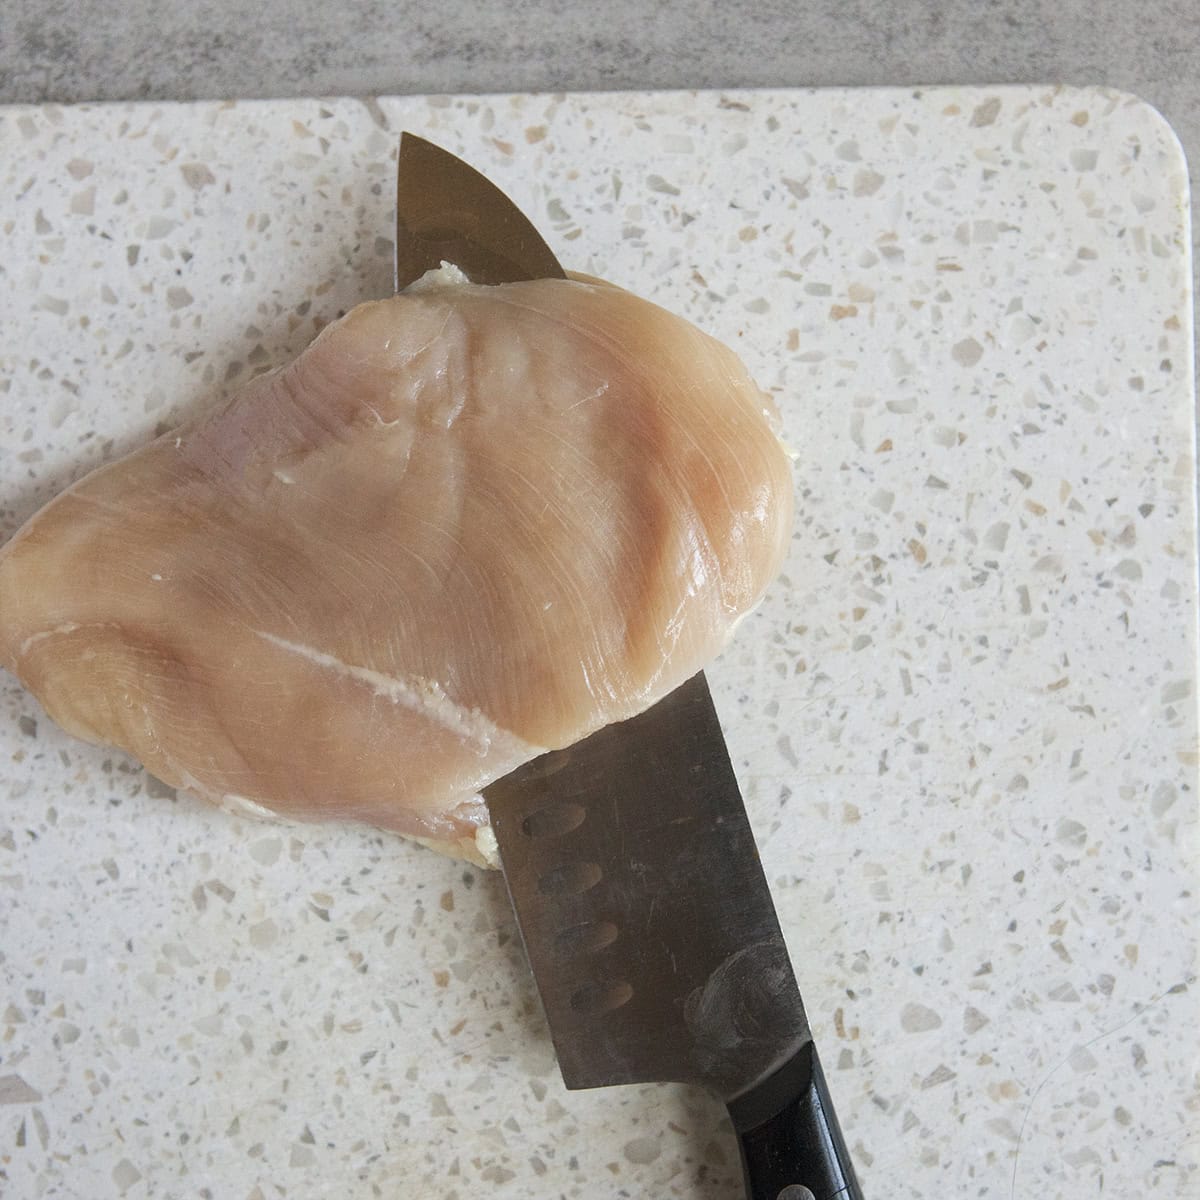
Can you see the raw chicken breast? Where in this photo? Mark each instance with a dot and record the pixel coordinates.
(468, 524)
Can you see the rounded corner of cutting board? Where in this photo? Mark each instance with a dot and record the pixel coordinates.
(1157, 128)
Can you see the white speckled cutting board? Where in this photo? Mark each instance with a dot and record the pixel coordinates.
(965, 719)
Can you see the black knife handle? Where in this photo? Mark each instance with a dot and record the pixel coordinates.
(792, 1148)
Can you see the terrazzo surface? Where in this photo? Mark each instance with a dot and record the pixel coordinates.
(964, 719)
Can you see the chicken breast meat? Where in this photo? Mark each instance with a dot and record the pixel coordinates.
(468, 524)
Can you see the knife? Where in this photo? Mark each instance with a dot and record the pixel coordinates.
(629, 858)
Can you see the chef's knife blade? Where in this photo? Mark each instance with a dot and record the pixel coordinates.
(643, 905)
(631, 865)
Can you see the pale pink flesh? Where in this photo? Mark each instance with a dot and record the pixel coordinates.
(466, 525)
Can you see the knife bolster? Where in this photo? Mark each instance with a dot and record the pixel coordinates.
(789, 1134)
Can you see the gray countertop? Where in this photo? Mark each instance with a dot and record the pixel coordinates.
(52, 51)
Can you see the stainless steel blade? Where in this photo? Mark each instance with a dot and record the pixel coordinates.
(446, 211)
(642, 902)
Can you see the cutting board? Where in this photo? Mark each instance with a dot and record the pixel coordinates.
(964, 719)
